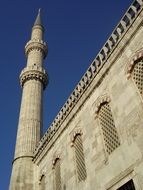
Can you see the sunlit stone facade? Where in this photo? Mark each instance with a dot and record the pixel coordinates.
(96, 140)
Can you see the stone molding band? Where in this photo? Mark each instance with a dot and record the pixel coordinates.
(34, 75)
(38, 45)
(40, 27)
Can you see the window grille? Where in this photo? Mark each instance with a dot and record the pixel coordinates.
(79, 156)
(137, 75)
(57, 171)
(110, 134)
(127, 186)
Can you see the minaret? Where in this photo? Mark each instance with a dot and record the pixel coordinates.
(33, 80)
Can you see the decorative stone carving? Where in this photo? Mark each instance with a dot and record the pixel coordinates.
(137, 56)
(39, 74)
(77, 131)
(100, 101)
(39, 45)
(55, 158)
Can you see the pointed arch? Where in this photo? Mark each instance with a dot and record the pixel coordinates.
(42, 182)
(101, 100)
(76, 132)
(138, 55)
(135, 70)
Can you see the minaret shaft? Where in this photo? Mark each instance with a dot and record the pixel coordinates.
(35, 58)
(37, 32)
(30, 120)
(33, 80)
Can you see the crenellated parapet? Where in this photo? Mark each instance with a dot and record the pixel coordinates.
(93, 71)
(36, 44)
(34, 73)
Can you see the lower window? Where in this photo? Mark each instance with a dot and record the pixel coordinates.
(127, 186)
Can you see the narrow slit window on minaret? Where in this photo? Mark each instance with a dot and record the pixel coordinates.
(109, 131)
(79, 158)
(137, 75)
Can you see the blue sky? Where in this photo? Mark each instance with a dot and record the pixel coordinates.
(75, 31)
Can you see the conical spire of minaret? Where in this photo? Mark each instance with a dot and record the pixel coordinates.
(38, 20)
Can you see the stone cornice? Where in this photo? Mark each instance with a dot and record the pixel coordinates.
(95, 68)
(39, 45)
(34, 73)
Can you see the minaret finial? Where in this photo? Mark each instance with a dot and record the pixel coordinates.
(38, 18)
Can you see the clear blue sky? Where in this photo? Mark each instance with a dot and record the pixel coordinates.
(75, 31)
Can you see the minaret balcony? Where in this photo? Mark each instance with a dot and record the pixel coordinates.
(34, 73)
(36, 44)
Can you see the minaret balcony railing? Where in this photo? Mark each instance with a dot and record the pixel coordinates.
(30, 73)
(37, 44)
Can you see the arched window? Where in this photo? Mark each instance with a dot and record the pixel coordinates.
(134, 70)
(42, 182)
(57, 174)
(137, 74)
(79, 157)
(110, 135)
